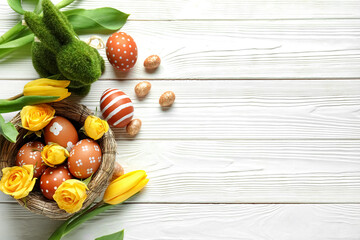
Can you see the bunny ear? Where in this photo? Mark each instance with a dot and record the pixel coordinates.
(35, 23)
(57, 23)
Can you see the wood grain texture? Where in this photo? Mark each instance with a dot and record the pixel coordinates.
(237, 109)
(220, 9)
(291, 49)
(195, 222)
(244, 171)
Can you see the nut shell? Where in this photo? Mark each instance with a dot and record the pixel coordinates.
(133, 127)
(142, 88)
(167, 99)
(152, 62)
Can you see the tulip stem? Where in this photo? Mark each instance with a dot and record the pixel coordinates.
(16, 96)
(92, 212)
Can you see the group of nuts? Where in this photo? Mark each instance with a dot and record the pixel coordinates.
(143, 88)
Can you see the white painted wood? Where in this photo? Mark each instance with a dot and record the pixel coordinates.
(219, 9)
(195, 222)
(292, 49)
(244, 171)
(238, 109)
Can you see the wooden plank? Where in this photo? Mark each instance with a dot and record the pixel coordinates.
(220, 9)
(244, 171)
(292, 49)
(195, 222)
(238, 109)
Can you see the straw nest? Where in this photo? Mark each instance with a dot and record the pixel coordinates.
(35, 201)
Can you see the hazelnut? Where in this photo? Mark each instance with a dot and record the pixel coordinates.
(118, 171)
(152, 62)
(133, 127)
(142, 89)
(167, 99)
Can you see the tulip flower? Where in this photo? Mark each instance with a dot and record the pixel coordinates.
(125, 186)
(47, 87)
(118, 191)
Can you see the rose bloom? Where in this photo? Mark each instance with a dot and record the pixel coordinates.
(17, 181)
(71, 195)
(95, 127)
(54, 154)
(36, 117)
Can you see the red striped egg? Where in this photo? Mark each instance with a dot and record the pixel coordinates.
(116, 107)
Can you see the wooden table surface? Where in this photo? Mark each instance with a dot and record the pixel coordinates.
(263, 141)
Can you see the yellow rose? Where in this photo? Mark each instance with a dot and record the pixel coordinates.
(125, 186)
(54, 154)
(36, 117)
(71, 195)
(17, 181)
(47, 87)
(95, 127)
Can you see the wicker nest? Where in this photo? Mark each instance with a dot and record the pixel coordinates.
(35, 201)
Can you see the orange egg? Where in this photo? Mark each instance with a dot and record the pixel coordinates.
(61, 131)
(52, 178)
(30, 154)
(85, 158)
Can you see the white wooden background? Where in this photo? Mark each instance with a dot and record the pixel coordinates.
(263, 141)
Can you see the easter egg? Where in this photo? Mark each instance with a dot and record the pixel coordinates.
(30, 153)
(85, 158)
(121, 51)
(52, 178)
(61, 131)
(116, 107)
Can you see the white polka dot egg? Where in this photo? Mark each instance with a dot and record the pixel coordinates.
(121, 51)
(84, 159)
(52, 178)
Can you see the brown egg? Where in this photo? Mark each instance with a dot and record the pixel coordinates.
(52, 178)
(61, 131)
(30, 153)
(85, 158)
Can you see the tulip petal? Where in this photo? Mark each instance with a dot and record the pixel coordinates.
(124, 184)
(48, 82)
(129, 193)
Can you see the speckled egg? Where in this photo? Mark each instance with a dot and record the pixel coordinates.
(52, 178)
(85, 158)
(30, 153)
(61, 131)
(121, 51)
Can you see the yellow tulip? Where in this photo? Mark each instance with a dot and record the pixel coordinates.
(125, 187)
(35, 118)
(95, 127)
(17, 181)
(54, 154)
(71, 195)
(47, 87)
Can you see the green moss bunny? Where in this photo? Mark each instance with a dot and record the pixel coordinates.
(60, 54)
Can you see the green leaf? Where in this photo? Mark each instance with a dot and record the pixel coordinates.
(18, 42)
(86, 216)
(114, 236)
(99, 19)
(63, 3)
(38, 7)
(60, 230)
(16, 6)
(19, 103)
(86, 181)
(8, 130)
